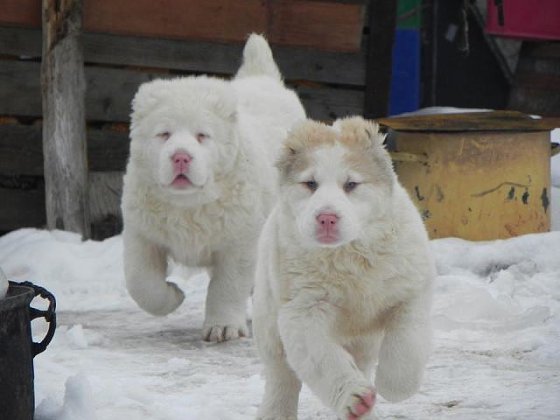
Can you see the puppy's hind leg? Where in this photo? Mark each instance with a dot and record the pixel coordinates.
(226, 302)
(145, 267)
(281, 391)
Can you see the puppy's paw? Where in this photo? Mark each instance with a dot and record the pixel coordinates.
(394, 388)
(162, 301)
(359, 403)
(174, 297)
(275, 417)
(219, 333)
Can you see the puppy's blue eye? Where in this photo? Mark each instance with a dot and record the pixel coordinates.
(200, 137)
(350, 186)
(311, 185)
(164, 135)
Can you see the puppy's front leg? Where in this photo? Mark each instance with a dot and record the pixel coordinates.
(280, 400)
(145, 266)
(226, 302)
(404, 350)
(324, 365)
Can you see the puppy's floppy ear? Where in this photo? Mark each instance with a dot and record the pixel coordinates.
(292, 147)
(365, 131)
(286, 160)
(376, 137)
(147, 97)
(303, 136)
(224, 103)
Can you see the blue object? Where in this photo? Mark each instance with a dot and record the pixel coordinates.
(405, 81)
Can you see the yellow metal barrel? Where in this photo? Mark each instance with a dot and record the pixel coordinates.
(475, 176)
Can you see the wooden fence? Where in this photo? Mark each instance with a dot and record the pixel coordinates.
(322, 48)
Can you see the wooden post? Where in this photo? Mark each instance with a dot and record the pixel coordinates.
(64, 129)
(382, 24)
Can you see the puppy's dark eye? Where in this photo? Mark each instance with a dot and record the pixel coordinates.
(311, 185)
(164, 135)
(200, 137)
(350, 186)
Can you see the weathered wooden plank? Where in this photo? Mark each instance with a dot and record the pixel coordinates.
(25, 13)
(536, 85)
(64, 129)
(221, 20)
(107, 150)
(548, 50)
(21, 150)
(105, 191)
(327, 25)
(329, 104)
(538, 80)
(194, 56)
(110, 90)
(22, 208)
(535, 101)
(19, 41)
(25, 207)
(323, 25)
(20, 88)
(538, 66)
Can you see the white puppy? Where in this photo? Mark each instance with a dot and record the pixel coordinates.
(200, 183)
(344, 276)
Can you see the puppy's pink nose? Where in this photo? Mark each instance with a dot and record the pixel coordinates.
(181, 161)
(327, 228)
(327, 219)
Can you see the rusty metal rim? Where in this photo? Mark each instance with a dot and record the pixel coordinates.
(471, 121)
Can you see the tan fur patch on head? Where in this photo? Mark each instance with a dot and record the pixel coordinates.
(360, 137)
(306, 136)
(356, 130)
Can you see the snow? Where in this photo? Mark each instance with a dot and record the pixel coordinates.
(496, 319)
(496, 336)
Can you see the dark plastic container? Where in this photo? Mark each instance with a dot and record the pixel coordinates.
(17, 349)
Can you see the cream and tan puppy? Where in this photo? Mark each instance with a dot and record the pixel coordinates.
(200, 183)
(344, 276)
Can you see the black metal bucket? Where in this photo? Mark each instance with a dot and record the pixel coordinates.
(17, 349)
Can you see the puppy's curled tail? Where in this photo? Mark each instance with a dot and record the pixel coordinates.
(257, 59)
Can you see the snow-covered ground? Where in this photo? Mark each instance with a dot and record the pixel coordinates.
(496, 351)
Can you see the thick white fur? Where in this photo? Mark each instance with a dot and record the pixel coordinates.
(214, 223)
(325, 314)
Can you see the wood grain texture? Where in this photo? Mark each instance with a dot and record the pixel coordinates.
(536, 84)
(110, 91)
(26, 13)
(25, 207)
(64, 131)
(326, 25)
(195, 56)
(21, 150)
(22, 208)
(105, 192)
(323, 25)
